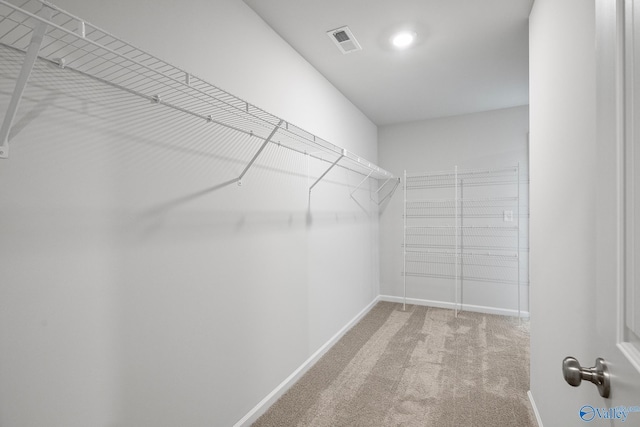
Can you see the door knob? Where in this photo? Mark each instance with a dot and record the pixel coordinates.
(599, 375)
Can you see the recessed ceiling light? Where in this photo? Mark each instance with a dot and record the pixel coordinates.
(403, 39)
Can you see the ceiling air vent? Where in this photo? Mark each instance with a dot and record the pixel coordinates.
(344, 39)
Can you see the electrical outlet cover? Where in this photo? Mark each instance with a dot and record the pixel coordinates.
(508, 216)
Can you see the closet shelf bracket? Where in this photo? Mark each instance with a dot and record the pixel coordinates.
(360, 184)
(344, 153)
(255, 156)
(393, 190)
(383, 185)
(37, 37)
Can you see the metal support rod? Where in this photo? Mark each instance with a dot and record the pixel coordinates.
(382, 186)
(518, 225)
(455, 225)
(390, 193)
(29, 60)
(344, 153)
(404, 246)
(264, 144)
(461, 243)
(361, 182)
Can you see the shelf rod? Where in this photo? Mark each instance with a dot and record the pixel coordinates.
(344, 153)
(455, 223)
(30, 59)
(461, 232)
(255, 156)
(404, 245)
(518, 225)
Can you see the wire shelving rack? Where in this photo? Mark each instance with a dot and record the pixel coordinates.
(45, 32)
(449, 235)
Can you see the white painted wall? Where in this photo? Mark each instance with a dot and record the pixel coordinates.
(563, 201)
(132, 293)
(486, 140)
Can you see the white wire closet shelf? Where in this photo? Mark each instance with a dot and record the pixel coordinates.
(445, 179)
(463, 227)
(450, 208)
(43, 31)
(480, 267)
(482, 238)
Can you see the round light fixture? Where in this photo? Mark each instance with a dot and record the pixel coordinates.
(403, 39)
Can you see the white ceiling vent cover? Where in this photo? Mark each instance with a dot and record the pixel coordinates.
(344, 39)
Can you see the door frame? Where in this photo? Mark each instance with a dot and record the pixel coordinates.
(614, 107)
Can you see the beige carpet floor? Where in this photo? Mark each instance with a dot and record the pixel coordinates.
(419, 367)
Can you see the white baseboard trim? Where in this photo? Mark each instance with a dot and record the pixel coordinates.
(452, 306)
(535, 408)
(285, 385)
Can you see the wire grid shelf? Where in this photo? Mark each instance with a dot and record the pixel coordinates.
(470, 237)
(76, 45)
(455, 230)
(450, 208)
(447, 179)
(494, 268)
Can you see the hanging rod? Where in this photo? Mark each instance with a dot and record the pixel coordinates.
(74, 44)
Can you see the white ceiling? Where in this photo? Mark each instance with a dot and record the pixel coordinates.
(471, 55)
